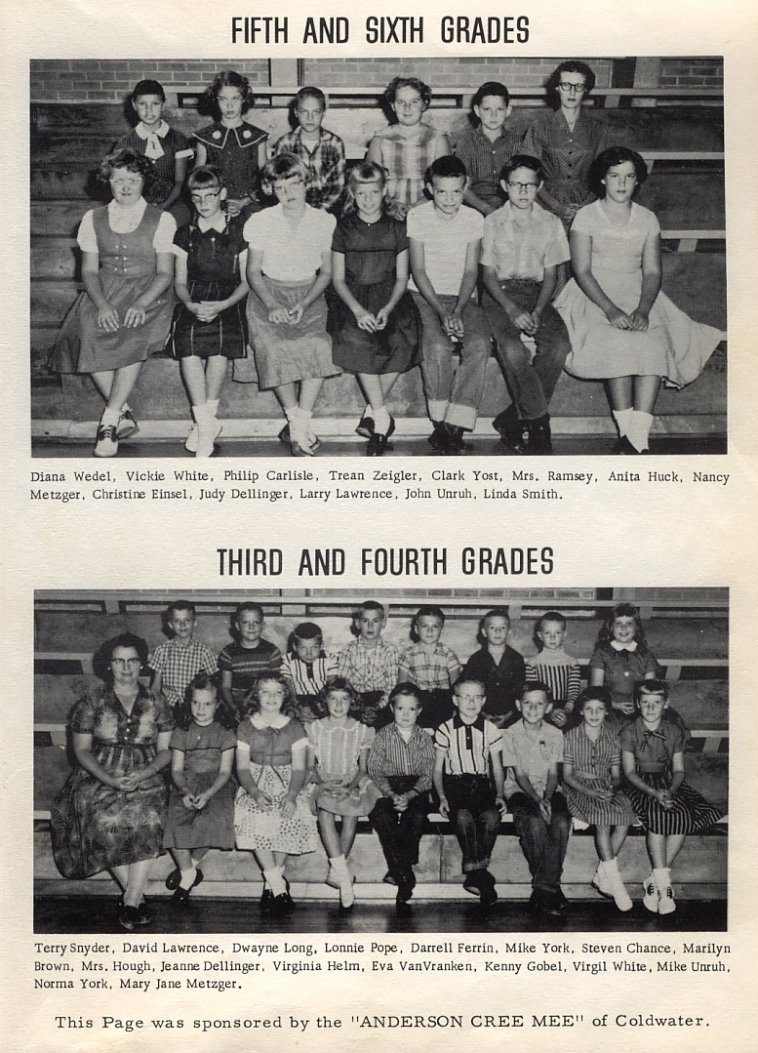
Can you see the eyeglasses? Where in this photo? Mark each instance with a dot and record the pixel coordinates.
(293, 181)
(567, 86)
(470, 698)
(209, 195)
(524, 186)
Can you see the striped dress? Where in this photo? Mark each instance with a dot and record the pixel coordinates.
(591, 763)
(653, 753)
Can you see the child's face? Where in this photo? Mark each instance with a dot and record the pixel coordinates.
(270, 697)
(533, 706)
(495, 630)
(593, 713)
(652, 706)
(469, 700)
(368, 198)
(406, 709)
(429, 629)
(447, 193)
(126, 186)
(551, 635)
(308, 650)
(290, 192)
(370, 625)
(492, 111)
(149, 109)
(408, 105)
(182, 624)
(249, 627)
(309, 114)
(624, 629)
(521, 186)
(207, 200)
(620, 182)
(203, 705)
(338, 704)
(125, 666)
(229, 101)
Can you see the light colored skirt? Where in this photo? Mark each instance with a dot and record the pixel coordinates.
(333, 796)
(258, 826)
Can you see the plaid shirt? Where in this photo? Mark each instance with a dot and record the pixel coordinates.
(370, 668)
(325, 164)
(440, 669)
(179, 665)
(392, 755)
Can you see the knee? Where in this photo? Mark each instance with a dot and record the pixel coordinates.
(511, 351)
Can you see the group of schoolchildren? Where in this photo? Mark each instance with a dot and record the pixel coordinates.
(425, 266)
(322, 740)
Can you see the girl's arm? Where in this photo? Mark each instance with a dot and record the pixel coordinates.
(297, 781)
(201, 155)
(107, 316)
(211, 308)
(244, 776)
(164, 272)
(363, 318)
(311, 766)
(374, 152)
(597, 677)
(651, 282)
(439, 768)
(178, 777)
(224, 774)
(180, 285)
(180, 171)
(277, 314)
(321, 282)
(615, 770)
(362, 768)
(401, 284)
(570, 780)
(581, 263)
(677, 773)
(630, 771)
(226, 689)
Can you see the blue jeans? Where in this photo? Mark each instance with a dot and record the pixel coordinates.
(543, 844)
(475, 816)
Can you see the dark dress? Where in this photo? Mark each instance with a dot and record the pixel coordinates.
(164, 167)
(96, 827)
(235, 152)
(213, 273)
(212, 826)
(371, 252)
(502, 681)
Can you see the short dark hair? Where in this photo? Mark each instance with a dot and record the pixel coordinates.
(101, 661)
(490, 87)
(522, 161)
(651, 687)
(446, 167)
(309, 92)
(205, 175)
(495, 612)
(552, 616)
(181, 605)
(536, 685)
(594, 694)
(429, 611)
(248, 605)
(405, 687)
(615, 155)
(569, 66)
(367, 605)
(148, 87)
(228, 78)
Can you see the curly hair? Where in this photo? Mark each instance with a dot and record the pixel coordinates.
(101, 662)
(251, 702)
(228, 78)
(203, 681)
(622, 610)
(129, 159)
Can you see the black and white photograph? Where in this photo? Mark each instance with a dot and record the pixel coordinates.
(450, 761)
(275, 257)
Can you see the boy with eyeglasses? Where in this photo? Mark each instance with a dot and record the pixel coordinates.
(523, 246)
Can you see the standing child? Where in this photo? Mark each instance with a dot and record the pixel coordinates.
(369, 664)
(523, 246)
(623, 329)
(321, 151)
(401, 763)
(209, 325)
(123, 315)
(374, 324)
(236, 148)
(652, 752)
(591, 781)
(445, 243)
(622, 658)
(431, 666)
(560, 671)
(307, 668)
(272, 816)
(407, 148)
(468, 778)
(289, 266)
(201, 806)
(167, 150)
(532, 751)
(176, 661)
(486, 147)
(338, 748)
(499, 667)
(250, 657)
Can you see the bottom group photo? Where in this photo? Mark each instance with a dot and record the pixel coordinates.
(409, 760)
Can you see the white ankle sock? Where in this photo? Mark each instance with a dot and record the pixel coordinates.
(623, 419)
(110, 416)
(275, 880)
(188, 878)
(381, 419)
(638, 431)
(212, 405)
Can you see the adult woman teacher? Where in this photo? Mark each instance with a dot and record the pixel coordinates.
(109, 814)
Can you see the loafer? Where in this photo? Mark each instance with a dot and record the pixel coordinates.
(365, 427)
(127, 917)
(403, 909)
(172, 881)
(181, 897)
(378, 446)
(144, 914)
(267, 901)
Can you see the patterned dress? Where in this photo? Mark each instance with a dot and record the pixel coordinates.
(212, 826)
(591, 761)
(96, 827)
(337, 749)
(406, 159)
(235, 152)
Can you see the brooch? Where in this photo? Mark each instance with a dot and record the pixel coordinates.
(246, 134)
(216, 135)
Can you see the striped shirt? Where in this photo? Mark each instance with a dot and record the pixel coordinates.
(534, 757)
(484, 159)
(308, 678)
(337, 748)
(561, 673)
(440, 669)
(325, 162)
(248, 664)
(391, 755)
(370, 668)
(467, 747)
(178, 666)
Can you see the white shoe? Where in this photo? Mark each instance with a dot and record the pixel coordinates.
(190, 443)
(600, 881)
(207, 433)
(621, 897)
(651, 897)
(666, 902)
(107, 442)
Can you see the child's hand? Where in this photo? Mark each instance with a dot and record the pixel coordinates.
(524, 322)
(665, 798)
(209, 309)
(366, 321)
(546, 809)
(295, 314)
(262, 799)
(569, 211)
(639, 320)
(108, 319)
(134, 316)
(201, 800)
(453, 326)
(602, 794)
(444, 807)
(626, 707)
(279, 316)
(188, 800)
(382, 318)
(287, 808)
(618, 319)
(132, 780)
(502, 806)
(401, 801)
(234, 205)
(558, 718)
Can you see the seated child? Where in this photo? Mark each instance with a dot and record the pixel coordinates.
(499, 667)
(243, 662)
(621, 659)
(180, 658)
(307, 668)
(532, 751)
(401, 762)
(560, 671)
(523, 246)
(369, 664)
(486, 147)
(445, 241)
(321, 151)
(430, 666)
(468, 778)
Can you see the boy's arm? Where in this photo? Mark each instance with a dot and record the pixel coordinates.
(498, 777)
(439, 767)
(376, 760)
(470, 276)
(333, 175)
(421, 278)
(390, 669)
(547, 289)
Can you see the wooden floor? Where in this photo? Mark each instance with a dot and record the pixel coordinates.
(96, 914)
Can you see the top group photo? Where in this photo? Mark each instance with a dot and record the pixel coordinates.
(378, 257)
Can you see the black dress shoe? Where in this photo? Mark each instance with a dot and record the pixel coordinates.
(172, 881)
(378, 446)
(540, 440)
(624, 446)
(511, 428)
(267, 901)
(181, 897)
(365, 427)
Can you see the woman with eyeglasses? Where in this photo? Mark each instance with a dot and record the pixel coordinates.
(567, 140)
(109, 815)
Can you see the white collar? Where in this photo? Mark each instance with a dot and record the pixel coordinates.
(122, 210)
(279, 721)
(145, 133)
(624, 646)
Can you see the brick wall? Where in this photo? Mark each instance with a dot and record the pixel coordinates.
(442, 72)
(691, 73)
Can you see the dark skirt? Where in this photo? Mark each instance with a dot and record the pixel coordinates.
(690, 814)
(209, 827)
(393, 350)
(226, 335)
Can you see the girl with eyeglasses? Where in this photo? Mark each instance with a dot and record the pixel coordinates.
(209, 323)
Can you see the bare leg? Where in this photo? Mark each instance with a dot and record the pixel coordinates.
(645, 393)
(121, 874)
(674, 843)
(347, 833)
(618, 836)
(183, 858)
(603, 843)
(124, 380)
(656, 847)
(309, 393)
(329, 836)
(103, 382)
(137, 882)
(193, 375)
(619, 392)
(215, 375)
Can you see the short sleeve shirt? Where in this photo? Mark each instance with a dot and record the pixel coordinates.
(290, 253)
(518, 250)
(534, 757)
(445, 243)
(125, 221)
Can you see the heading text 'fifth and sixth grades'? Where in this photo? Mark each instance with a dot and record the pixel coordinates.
(381, 29)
